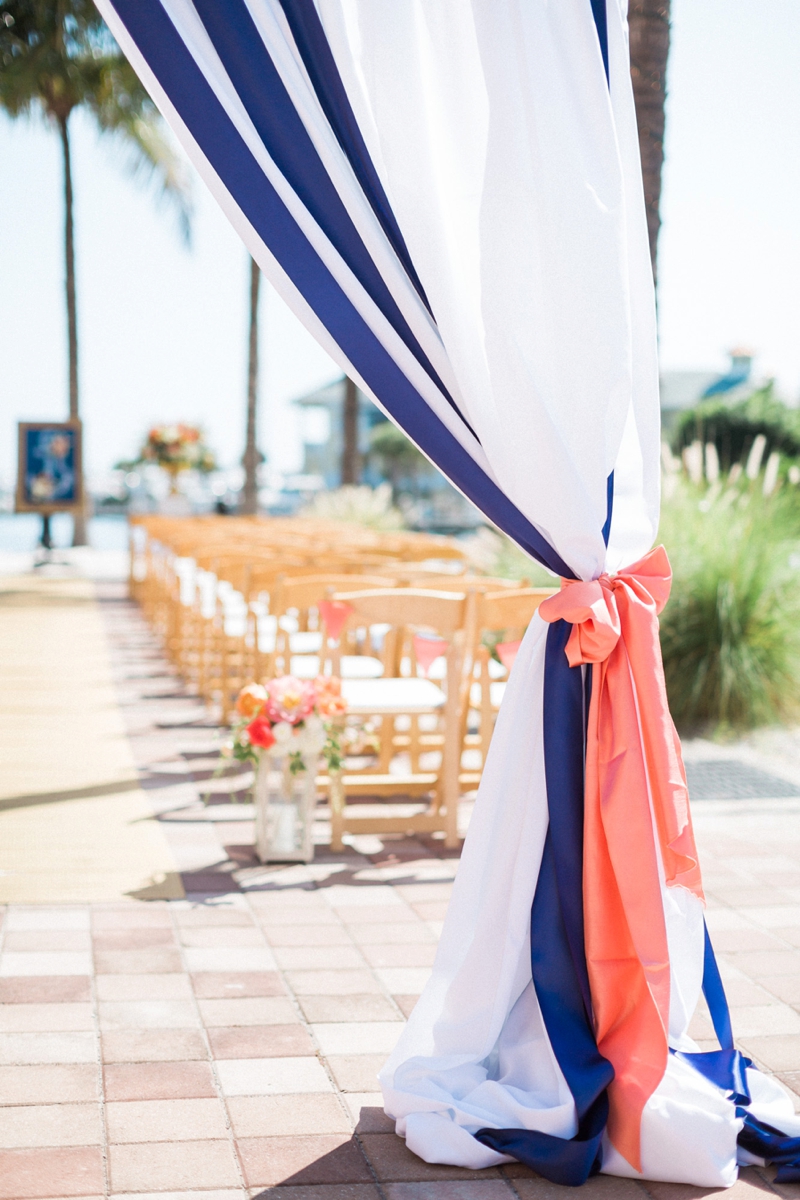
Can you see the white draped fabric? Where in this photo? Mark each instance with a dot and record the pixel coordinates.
(513, 170)
(510, 163)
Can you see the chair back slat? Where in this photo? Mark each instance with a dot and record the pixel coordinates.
(443, 612)
(511, 609)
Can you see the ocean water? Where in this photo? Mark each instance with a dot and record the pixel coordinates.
(21, 531)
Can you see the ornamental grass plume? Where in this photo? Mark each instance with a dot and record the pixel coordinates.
(358, 505)
(730, 634)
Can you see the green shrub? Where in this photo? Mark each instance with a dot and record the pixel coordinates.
(734, 427)
(730, 633)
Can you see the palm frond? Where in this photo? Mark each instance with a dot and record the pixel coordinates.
(58, 55)
(123, 109)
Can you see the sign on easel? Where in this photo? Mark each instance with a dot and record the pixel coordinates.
(49, 467)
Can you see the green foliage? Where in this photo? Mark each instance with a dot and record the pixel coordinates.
(58, 55)
(730, 634)
(371, 507)
(396, 456)
(332, 750)
(391, 443)
(734, 427)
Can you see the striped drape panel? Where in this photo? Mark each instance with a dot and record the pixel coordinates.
(280, 136)
(448, 195)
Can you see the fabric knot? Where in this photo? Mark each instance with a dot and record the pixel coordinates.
(633, 774)
(592, 609)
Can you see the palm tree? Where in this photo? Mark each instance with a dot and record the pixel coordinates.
(649, 41)
(252, 456)
(351, 458)
(57, 56)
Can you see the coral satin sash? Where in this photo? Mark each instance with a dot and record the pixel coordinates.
(632, 757)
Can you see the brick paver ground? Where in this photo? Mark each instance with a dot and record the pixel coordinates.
(225, 1045)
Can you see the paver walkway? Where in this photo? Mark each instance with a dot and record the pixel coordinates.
(74, 822)
(226, 1044)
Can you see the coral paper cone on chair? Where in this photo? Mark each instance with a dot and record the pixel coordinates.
(428, 649)
(334, 613)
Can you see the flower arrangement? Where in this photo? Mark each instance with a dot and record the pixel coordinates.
(289, 716)
(177, 448)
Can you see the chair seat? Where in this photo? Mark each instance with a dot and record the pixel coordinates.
(352, 666)
(305, 642)
(368, 697)
(384, 785)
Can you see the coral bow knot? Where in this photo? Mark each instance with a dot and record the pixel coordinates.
(634, 779)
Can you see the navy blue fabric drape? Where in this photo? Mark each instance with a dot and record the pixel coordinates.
(558, 959)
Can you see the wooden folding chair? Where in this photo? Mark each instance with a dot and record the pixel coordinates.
(299, 627)
(501, 618)
(403, 717)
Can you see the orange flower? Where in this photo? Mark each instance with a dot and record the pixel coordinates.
(252, 700)
(330, 701)
(331, 706)
(328, 685)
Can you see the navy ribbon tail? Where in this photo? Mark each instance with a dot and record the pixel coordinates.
(558, 961)
(765, 1142)
(727, 1068)
(568, 1162)
(714, 992)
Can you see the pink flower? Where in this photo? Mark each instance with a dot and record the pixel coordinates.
(260, 733)
(290, 699)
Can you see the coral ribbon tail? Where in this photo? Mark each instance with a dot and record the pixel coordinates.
(632, 754)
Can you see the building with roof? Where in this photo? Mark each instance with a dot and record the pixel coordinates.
(685, 389)
(429, 499)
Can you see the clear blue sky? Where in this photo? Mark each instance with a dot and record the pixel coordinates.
(163, 328)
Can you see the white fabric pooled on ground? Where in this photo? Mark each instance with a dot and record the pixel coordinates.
(475, 1050)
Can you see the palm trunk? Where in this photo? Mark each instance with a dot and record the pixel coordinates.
(351, 464)
(649, 41)
(251, 458)
(79, 534)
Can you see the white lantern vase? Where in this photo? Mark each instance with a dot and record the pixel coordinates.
(285, 804)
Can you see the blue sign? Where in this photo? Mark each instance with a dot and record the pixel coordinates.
(49, 467)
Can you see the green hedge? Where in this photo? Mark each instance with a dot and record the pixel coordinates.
(733, 427)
